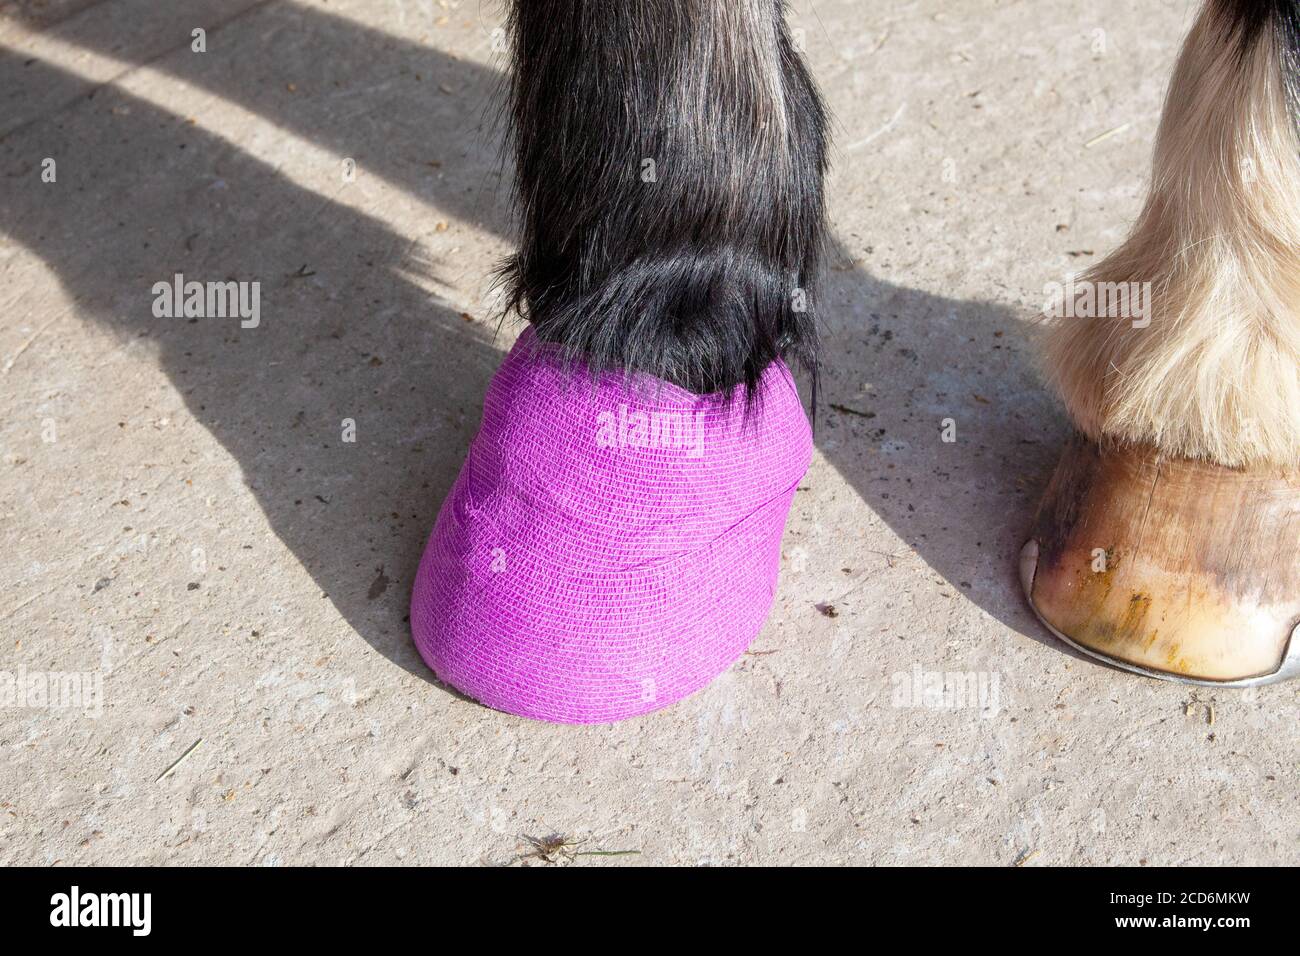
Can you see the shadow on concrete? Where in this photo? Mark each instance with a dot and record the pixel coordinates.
(346, 333)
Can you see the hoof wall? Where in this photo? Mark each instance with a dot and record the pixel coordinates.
(1175, 569)
(610, 545)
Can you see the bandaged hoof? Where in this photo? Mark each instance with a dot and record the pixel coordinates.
(610, 545)
(1176, 569)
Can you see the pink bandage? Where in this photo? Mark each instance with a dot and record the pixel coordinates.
(611, 544)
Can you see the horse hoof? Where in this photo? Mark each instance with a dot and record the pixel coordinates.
(610, 546)
(1175, 569)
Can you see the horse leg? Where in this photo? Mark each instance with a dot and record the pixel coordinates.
(613, 542)
(669, 156)
(1168, 541)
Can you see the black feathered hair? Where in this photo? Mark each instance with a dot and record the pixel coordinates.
(670, 156)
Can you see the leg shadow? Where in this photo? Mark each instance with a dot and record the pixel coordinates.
(344, 333)
(934, 413)
(347, 334)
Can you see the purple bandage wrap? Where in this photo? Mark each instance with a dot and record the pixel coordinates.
(611, 544)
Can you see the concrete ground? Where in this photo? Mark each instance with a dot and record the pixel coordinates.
(189, 542)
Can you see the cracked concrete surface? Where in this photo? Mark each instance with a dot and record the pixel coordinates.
(188, 537)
